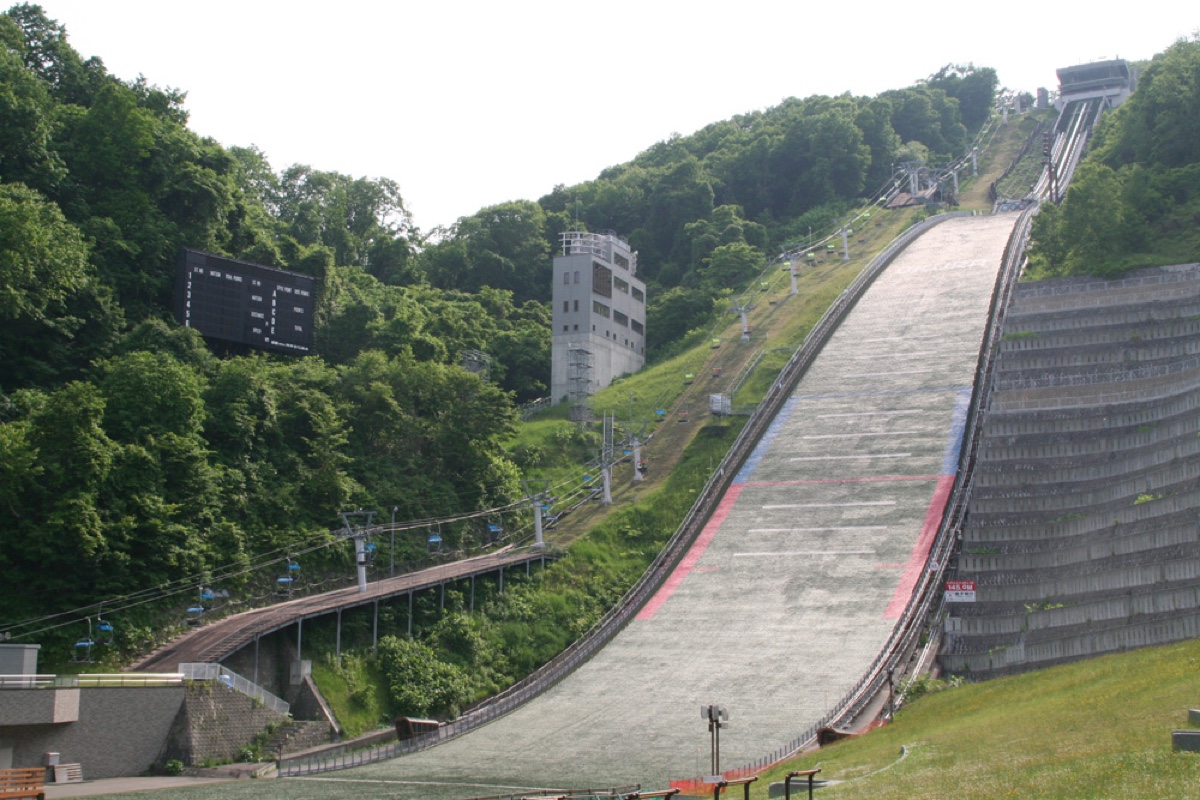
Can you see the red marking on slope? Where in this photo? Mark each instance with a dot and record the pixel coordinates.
(883, 479)
(693, 555)
(920, 551)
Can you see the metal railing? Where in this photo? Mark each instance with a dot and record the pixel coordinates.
(26, 681)
(216, 672)
(91, 680)
(610, 624)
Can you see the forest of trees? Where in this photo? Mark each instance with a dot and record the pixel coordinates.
(134, 453)
(1135, 199)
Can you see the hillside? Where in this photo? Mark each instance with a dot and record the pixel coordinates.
(243, 460)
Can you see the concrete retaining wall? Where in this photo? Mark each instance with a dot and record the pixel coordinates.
(266, 663)
(214, 724)
(1081, 534)
(120, 731)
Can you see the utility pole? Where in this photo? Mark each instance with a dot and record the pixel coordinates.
(536, 491)
(359, 535)
(392, 572)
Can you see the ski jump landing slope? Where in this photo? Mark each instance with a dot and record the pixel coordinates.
(795, 584)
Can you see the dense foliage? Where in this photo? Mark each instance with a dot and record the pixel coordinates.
(133, 453)
(1135, 198)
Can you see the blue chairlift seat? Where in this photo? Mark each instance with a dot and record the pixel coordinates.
(195, 615)
(83, 651)
(104, 632)
(283, 584)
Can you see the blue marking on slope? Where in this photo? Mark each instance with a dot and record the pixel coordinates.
(764, 443)
(958, 427)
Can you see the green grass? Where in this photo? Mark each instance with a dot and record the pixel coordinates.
(355, 689)
(1094, 729)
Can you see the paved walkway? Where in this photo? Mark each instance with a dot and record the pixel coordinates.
(55, 791)
(796, 583)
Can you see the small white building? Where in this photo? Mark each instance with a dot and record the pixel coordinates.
(599, 319)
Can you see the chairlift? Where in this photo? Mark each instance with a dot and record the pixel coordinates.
(83, 650)
(435, 543)
(642, 467)
(195, 615)
(688, 378)
(104, 631)
(283, 585)
(660, 412)
(587, 478)
(370, 550)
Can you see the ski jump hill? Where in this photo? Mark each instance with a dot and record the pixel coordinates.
(798, 578)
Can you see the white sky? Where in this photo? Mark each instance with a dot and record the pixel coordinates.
(468, 104)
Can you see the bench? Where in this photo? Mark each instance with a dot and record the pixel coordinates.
(26, 782)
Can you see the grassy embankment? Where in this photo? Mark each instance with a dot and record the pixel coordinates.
(1094, 729)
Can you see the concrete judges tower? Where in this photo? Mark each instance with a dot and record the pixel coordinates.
(599, 315)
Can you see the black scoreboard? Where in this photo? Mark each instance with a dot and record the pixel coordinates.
(242, 302)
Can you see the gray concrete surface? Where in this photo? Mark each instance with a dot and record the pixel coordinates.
(796, 583)
(1081, 532)
(117, 786)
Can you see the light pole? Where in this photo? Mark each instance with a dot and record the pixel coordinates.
(717, 716)
(392, 573)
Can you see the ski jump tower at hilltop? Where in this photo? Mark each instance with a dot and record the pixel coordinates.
(599, 320)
